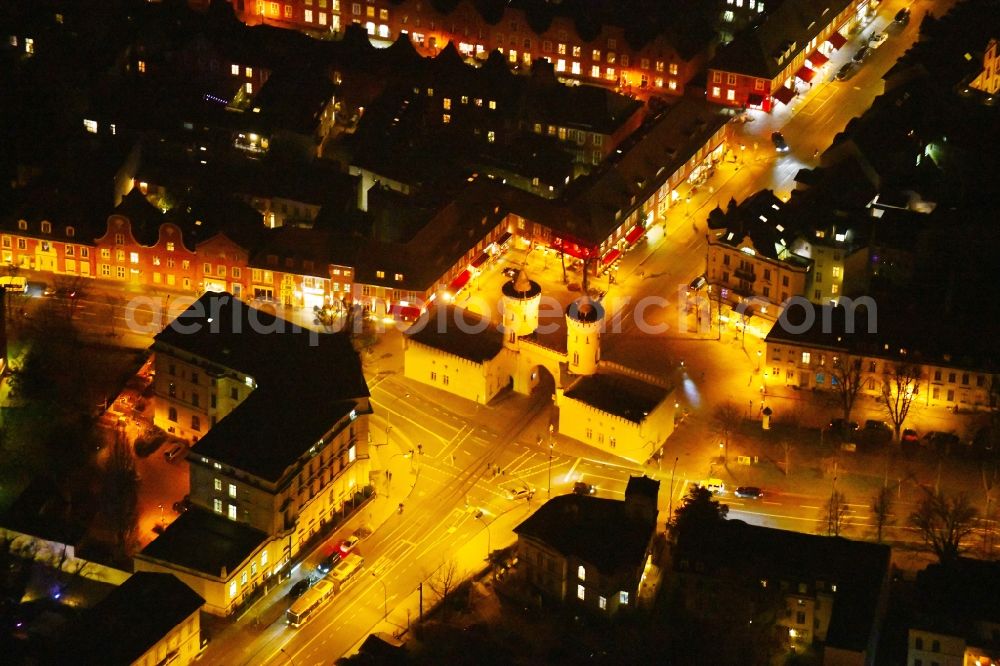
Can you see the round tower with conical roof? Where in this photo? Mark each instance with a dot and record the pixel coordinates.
(521, 298)
(584, 320)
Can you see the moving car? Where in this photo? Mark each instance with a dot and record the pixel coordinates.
(697, 283)
(749, 492)
(348, 544)
(778, 139)
(902, 16)
(846, 70)
(520, 493)
(714, 486)
(878, 39)
(583, 488)
(862, 53)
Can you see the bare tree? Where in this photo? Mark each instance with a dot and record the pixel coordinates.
(786, 450)
(726, 418)
(845, 375)
(120, 496)
(881, 507)
(443, 582)
(836, 511)
(899, 389)
(990, 478)
(944, 523)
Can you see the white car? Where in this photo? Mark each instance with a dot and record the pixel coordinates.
(878, 39)
(520, 493)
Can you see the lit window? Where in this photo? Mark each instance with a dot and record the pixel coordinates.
(218, 484)
(243, 579)
(658, 82)
(248, 72)
(309, 16)
(731, 95)
(602, 602)
(142, 66)
(595, 71)
(577, 52)
(352, 454)
(805, 357)
(232, 490)
(491, 136)
(716, 91)
(90, 126)
(133, 257)
(595, 55)
(232, 590)
(446, 102)
(673, 69)
(263, 559)
(232, 513)
(446, 118)
(580, 592)
(249, 88)
(235, 70)
(217, 505)
(672, 85)
(170, 246)
(581, 572)
(623, 598)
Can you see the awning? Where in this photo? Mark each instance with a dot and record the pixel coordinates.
(805, 74)
(817, 59)
(784, 95)
(634, 235)
(754, 100)
(504, 238)
(460, 281)
(836, 40)
(572, 249)
(610, 256)
(480, 260)
(405, 312)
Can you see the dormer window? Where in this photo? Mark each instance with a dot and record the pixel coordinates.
(22, 225)
(46, 227)
(399, 277)
(581, 572)
(70, 231)
(380, 274)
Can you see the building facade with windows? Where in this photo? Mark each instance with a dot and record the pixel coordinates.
(807, 349)
(590, 552)
(770, 63)
(265, 475)
(587, 42)
(41, 245)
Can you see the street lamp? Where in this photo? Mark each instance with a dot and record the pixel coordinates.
(758, 360)
(479, 517)
(287, 656)
(385, 598)
(551, 445)
(670, 509)
(161, 515)
(388, 413)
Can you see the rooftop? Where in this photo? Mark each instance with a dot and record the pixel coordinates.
(458, 332)
(854, 571)
(204, 542)
(596, 530)
(623, 396)
(130, 620)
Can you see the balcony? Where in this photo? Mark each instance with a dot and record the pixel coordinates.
(745, 274)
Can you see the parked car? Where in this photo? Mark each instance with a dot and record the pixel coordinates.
(583, 488)
(874, 425)
(697, 283)
(510, 271)
(842, 427)
(778, 139)
(749, 492)
(845, 71)
(182, 505)
(173, 452)
(520, 493)
(942, 442)
(910, 436)
(327, 564)
(348, 544)
(862, 53)
(902, 16)
(878, 39)
(299, 589)
(714, 486)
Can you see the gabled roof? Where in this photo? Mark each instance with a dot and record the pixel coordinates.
(130, 620)
(598, 531)
(458, 332)
(623, 396)
(145, 218)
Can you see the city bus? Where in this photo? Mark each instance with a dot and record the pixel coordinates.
(346, 571)
(308, 603)
(16, 283)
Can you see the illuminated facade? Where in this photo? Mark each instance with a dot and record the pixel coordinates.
(608, 58)
(988, 81)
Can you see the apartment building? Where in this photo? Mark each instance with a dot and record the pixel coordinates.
(805, 348)
(278, 417)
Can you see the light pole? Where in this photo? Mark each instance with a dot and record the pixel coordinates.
(385, 598)
(670, 504)
(287, 656)
(489, 549)
(758, 360)
(388, 413)
(161, 515)
(548, 491)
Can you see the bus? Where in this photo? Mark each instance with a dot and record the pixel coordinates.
(16, 283)
(344, 572)
(308, 603)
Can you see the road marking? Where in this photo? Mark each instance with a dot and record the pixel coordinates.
(569, 474)
(806, 506)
